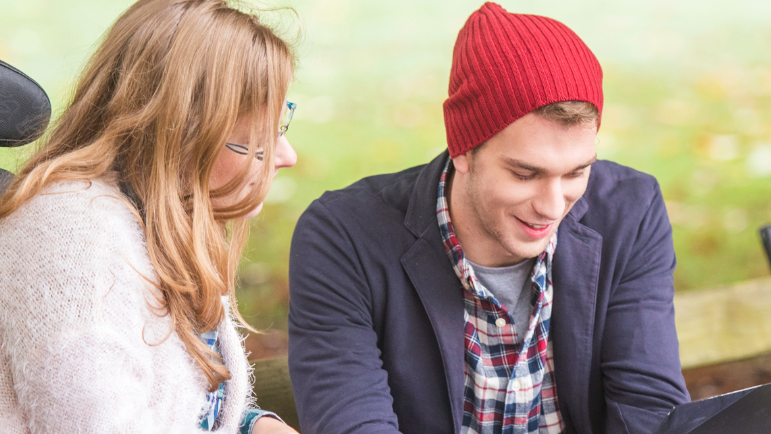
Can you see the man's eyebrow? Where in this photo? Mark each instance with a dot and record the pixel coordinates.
(587, 164)
(513, 162)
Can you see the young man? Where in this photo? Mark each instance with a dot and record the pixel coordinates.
(512, 285)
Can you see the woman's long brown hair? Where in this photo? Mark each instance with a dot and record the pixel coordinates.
(151, 112)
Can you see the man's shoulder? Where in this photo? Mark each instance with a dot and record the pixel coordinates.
(370, 214)
(614, 184)
(618, 198)
(606, 172)
(390, 190)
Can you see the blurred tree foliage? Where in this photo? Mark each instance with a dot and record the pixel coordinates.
(687, 87)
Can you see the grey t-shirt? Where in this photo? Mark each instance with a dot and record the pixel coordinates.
(512, 287)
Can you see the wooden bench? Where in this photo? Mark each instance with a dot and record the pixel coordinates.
(725, 337)
(273, 389)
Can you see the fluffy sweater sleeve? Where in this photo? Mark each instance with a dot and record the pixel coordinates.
(85, 350)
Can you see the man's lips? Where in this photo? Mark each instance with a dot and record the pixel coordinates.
(534, 230)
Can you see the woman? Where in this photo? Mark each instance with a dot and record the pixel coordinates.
(121, 237)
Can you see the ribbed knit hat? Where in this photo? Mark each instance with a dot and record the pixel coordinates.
(506, 65)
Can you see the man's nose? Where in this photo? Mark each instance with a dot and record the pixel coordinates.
(285, 154)
(550, 200)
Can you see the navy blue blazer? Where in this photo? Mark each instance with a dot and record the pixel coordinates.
(376, 340)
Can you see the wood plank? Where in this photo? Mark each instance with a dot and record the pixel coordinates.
(273, 389)
(724, 324)
(707, 381)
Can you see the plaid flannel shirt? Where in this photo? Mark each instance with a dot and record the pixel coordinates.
(509, 385)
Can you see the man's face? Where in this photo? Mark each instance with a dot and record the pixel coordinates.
(509, 196)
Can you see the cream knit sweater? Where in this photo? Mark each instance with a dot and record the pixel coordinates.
(79, 348)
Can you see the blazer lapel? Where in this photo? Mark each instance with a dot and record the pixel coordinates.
(576, 273)
(434, 279)
(440, 291)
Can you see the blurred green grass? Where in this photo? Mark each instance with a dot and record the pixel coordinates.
(687, 87)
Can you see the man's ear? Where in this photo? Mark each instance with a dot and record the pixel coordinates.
(461, 162)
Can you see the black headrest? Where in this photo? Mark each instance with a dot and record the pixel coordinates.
(24, 107)
(5, 179)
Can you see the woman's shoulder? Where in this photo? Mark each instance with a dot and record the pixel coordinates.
(74, 222)
(95, 197)
(84, 208)
(66, 250)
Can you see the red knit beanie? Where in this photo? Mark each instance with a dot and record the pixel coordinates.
(506, 65)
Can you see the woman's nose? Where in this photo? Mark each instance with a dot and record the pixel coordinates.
(285, 154)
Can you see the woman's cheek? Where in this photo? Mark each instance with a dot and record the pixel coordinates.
(255, 211)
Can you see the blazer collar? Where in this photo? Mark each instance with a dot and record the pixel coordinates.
(421, 211)
(577, 212)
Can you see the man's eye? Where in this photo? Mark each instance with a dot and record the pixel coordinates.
(578, 174)
(523, 177)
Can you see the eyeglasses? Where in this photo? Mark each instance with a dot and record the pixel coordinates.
(288, 114)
